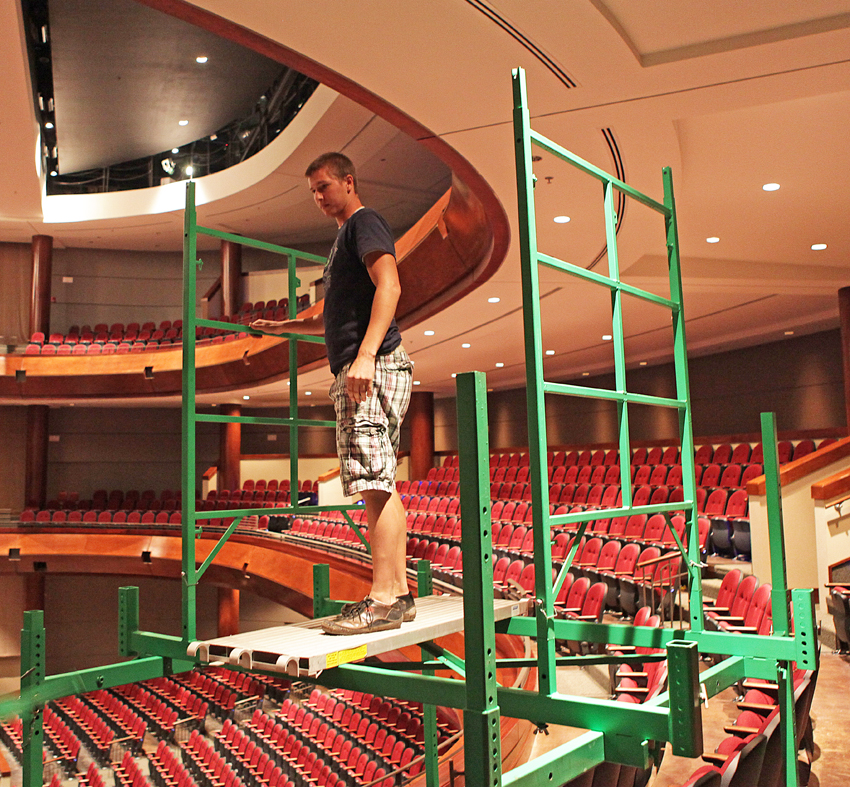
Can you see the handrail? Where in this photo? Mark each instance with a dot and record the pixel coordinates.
(835, 485)
(799, 468)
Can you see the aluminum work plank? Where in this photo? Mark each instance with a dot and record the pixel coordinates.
(302, 649)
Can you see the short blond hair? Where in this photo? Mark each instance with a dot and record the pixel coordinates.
(338, 164)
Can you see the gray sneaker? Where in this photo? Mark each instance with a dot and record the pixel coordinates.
(405, 603)
(364, 617)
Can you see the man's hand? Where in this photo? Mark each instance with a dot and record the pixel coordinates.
(361, 373)
(268, 326)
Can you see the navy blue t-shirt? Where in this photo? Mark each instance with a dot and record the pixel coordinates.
(349, 291)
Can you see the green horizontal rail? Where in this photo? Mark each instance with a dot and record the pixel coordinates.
(609, 513)
(242, 512)
(585, 166)
(213, 418)
(605, 281)
(236, 327)
(259, 244)
(615, 396)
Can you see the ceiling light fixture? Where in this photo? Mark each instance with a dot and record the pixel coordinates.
(454, 374)
(190, 170)
(246, 398)
(175, 150)
(818, 246)
(48, 124)
(182, 122)
(466, 345)
(585, 374)
(308, 393)
(561, 219)
(499, 365)
(429, 333)
(550, 352)
(493, 300)
(417, 382)
(201, 59)
(607, 337)
(53, 173)
(712, 239)
(789, 333)
(770, 187)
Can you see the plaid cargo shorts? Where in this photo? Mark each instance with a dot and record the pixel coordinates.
(367, 434)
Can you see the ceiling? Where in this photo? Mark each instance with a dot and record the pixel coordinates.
(124, 75)
(731, 97)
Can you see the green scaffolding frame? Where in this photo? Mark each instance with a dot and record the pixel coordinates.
(616, 732)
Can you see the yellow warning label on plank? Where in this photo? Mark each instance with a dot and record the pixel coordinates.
(345, 656)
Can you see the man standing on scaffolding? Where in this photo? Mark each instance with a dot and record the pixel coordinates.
(371, 390)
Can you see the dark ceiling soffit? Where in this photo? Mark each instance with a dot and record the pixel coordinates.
(461, 168)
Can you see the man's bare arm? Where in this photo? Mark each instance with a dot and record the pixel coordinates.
(310, 326)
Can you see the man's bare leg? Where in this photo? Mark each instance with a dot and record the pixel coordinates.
(388, 537)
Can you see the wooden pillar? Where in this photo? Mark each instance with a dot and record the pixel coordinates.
(35, 482)
(231, 276)
(420, 418)
(42, 270)
(34, 591)
(228, 611)
(844, 318)
(230, 450)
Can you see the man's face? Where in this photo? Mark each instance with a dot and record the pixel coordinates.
(331, 194)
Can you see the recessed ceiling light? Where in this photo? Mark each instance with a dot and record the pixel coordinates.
(643, 363)
(585, 374)
(417, 382)
(607, 337)
(561, 219)
(190, 170)
(246, 398)
(429, 333)
(182, 122)
(201, 59)
(712, 239)
(48, 124)
(789, 333)
(550, 352)
(499, 365)
(770, 187)
(493, 300)
(466, 345)
(175, 150)
(818, 246)
(453, 374)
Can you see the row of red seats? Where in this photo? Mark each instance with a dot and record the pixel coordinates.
(164, 712)
(753, 752)
(64, 745)
(88, 726)
(128, 725)
(741, 605)
(167, 770)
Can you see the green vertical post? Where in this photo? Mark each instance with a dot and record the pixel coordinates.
(321, 589)
(775, 526)
(187, 474)
(537, 445)
(686, 433)
(32, 675)
(128, 619)
(482, 750)
(425, 587)
(685, 715)
(293, 382)
(619, 340)
(787, 726)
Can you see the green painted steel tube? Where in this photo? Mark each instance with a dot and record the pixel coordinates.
(535, 389)
(561, 764)
(482, 745)
(259, 244)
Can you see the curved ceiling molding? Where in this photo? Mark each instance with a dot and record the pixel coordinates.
(620, 172)
(514, 32)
